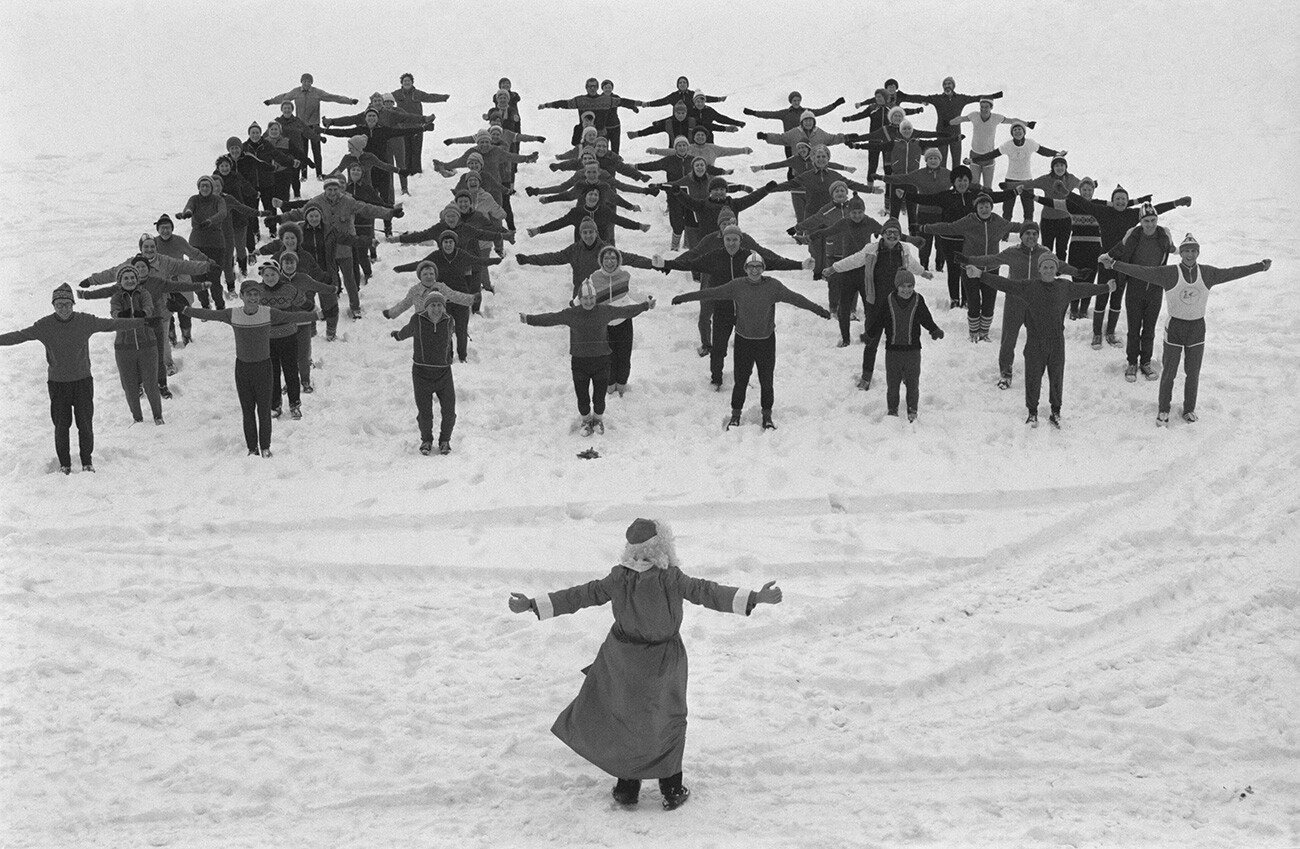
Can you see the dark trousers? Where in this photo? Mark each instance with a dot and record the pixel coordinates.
(265, 194)
(1013, 318)
(329, 310)
(361, 261)
(902, 367)
(614, 132)
(460, 317)
(724, 321)
(505, 206)
(428, 382)
(305, 332)
(953, 147)
(928, 244)
(679, 215)
(620, 360)
(853, 286)
(1083, 256)
(1184, 340)
(253, 384)
(315, 154)
(343, 265)
(1040, 358)
(981, 298)
(1026, 201)
(73, 401)
(283, 183)
(872, 312)
(1107, 306)
(1142, 309)
(955, 272)
(590, 380)
(139, 368)
(751, 355)
(284, 360)
(414, 153)
(1055, 233)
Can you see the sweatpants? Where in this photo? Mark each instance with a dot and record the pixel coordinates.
(620, 360)
(1055, 233)
(460, 317)
(1039, 358)
(853, 287)
(284, 360)
(429, 381)
(752, 354)
(679, 214)
(724, 321)
(953, 147)
(1184, 340)
(590, 380)
(414, 153)
(253, 384)
(1013, 318)
(305, 332)
(1142, 309)
(139, 368)
(73, 401)
(902, 367)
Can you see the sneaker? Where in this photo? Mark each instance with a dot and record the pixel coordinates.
(1113, 341)
(703, 350)
(767, 422)
(1032, 420)
(674, 799)
(1189, 417)
(843, 343)
(588, 427)
(67, 470)
(308, 388)
(734, 421)
(164, 392)
(1131, 373)
(295, 411)
(911, 415)
(426, 448)
(1096, 341)
(171, 370)
(253, 452)
(1055, 420)
(864, 383)
(266, 453)
(1004, 382)
(159, 421)
(954, 304)
(1162, 420)
(444, 448)
(356, 314)
(1149, 371)
(276, 412)
(87, 467)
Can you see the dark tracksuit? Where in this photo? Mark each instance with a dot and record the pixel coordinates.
(836, 241)
(816, 187)
(720, 267)
(1021, 264)
(901, 321)
(1143, 301)
(457, 271)
(431, 372)
(708, 244)
(954, 206)
(1085, 249)
(923, 181)
(675, 168)
(588, 348)
(1045, 306)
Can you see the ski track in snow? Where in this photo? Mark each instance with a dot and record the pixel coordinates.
(991, 636)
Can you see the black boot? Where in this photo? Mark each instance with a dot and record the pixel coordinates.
(675, 795)
(627, 791)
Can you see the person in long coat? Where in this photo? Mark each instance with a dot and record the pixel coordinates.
(629, 718)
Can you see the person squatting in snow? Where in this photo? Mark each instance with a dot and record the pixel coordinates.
(629, 718)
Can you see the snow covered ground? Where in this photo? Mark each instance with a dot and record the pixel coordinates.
(991, 636)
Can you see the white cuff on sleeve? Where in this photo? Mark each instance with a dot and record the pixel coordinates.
(740, 603)
(544, 608)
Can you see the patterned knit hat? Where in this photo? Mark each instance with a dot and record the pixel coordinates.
(983, 197)
(718, 183)
(1118, 188)
(63, 292)
(856, 202)
(1148, 211)
(270, 264)
(588, 289)
(1189, 241)
(731, 230)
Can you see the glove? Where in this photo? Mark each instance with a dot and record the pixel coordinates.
(385, 314)
(399, 213)
(771, 185)
(678, 299)
(394, 334)
(541, 139)
(85, 284)
(1031, 124)
(745, 111)
(531, 191)
(354, 101)
(938, 334)
(523, 259)
(266, 103)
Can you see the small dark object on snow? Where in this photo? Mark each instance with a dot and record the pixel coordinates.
(589, 454)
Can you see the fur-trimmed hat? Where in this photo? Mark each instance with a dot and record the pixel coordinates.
(650, 545)
(289, 227)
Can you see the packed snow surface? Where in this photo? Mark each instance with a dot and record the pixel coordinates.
(991, 635)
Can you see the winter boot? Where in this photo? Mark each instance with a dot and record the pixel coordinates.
(767, 420)
(735, 420)
(1131, 373)
(1149, 371)
(627, 791)
(444, 448)
(1032, 420)
(1162, 420)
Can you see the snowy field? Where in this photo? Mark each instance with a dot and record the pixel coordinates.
(991, 636)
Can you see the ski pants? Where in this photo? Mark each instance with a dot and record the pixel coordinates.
(139, 368)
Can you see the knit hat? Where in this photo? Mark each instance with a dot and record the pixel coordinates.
(204, 179)
(1089, 181)
(479, 135)
(891, 224)
(987, 100)
(856, 202)
(254, 125)
(286, 256)
(891, 81)
(163, 219)
(1189, 241)
(949, 80)
(838, 184)
(1047, 257)
(699, 95)
(726, 213)
(268, 263)
(249, 283)
(902, 276)
(792, 95)
(1118, 188)
(755, 258)
(434, 297)
(449, 234)
(731, 230)
(983, 197)
(1060, 159)
(370, 110)
(309, 206)
(451, 214)
(127, 269)
(145, 237)
(63, 292)
(641, 530)
(718, 183)
(1148, 211)
(805, 115)
(1020, 124)
(426, 263)
(462, 193)
(495, 130)
(473, 156)
(389, 97)
(332, 181)
(590, 133)
(932, 150)
(600, 257)
(587, 290)
(588, 224)
(681, 139)
(225, 157)
(800, 144)
(958, 172)
(234, 141)
(1029, 225)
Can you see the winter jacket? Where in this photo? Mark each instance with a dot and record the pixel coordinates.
(588, 328)
(67, 343)
(926, 181)
(339, 219)
(755, 303)
(866, 259)
(208, 214)
(706, 209)
(413, 100)
(604, 216)
(1046, 305)
(133, 304)
(1055, 188)
(1023, 264)
(842, 237)
(416, 294)
(816, 186)
(434, 343)
(902, 320)
(162, 265)
(790, 116)
(796, 134)
(946, 106)
(979, 236)
(722, 266)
